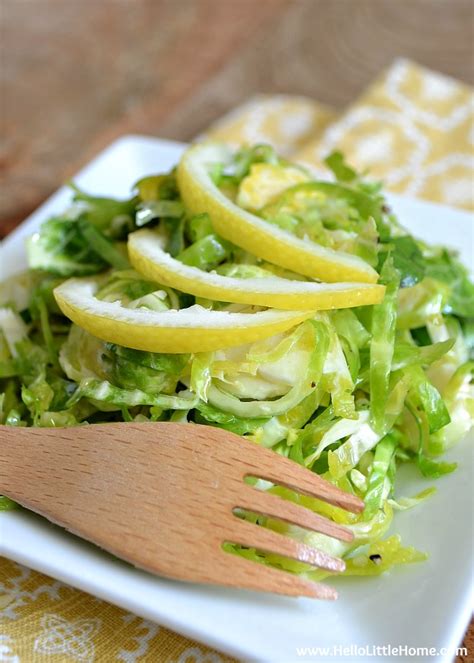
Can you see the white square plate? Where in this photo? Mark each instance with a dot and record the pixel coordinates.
(421, 605)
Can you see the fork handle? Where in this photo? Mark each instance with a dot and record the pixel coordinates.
(24, 459)
(50, 470)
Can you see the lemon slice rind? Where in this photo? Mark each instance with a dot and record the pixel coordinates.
(257, 236)
(146, 253)
(194, 329)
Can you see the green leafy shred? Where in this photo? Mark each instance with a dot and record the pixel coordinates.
(351, 394)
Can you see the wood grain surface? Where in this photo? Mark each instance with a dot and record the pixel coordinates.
(153, 485)
(76, 74)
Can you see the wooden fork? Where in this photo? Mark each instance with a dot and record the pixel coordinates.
(162, 496)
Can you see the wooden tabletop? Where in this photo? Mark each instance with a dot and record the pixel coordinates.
(75, 75)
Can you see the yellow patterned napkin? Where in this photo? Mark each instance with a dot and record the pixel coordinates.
(413, 128)
(287, 122)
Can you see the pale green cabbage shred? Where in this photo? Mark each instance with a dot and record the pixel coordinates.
(352, 394)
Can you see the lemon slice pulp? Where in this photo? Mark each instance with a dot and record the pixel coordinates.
(194, 329)
(265, 182)
(200, 194)
(146, 253)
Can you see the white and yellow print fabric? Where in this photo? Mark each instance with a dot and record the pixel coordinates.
(413, 128)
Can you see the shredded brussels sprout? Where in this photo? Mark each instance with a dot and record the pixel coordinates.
(351, 394)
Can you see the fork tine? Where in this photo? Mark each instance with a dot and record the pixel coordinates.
(272, 505)
(245, 573)
(253, 536)
(285, 472)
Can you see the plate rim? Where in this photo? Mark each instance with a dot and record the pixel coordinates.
(172, 622)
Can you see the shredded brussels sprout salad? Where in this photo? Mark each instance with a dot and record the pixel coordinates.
(350, 392)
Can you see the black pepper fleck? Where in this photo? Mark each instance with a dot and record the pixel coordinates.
(376, 559)
(313, 384)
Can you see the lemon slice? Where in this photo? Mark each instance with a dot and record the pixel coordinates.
(265, 182)
(252, 233)
(145, 250)
(194, 329)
